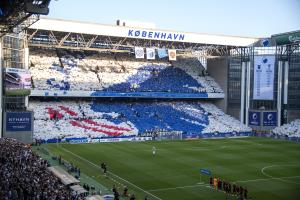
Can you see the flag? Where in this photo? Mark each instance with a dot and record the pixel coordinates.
(172, 54)
(150, 53)
(162, 53)
(139, 52)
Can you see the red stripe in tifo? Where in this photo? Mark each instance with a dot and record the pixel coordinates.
(106, 126)
(67, 110)
(81, 125)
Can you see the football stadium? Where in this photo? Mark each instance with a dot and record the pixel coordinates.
(129, 111)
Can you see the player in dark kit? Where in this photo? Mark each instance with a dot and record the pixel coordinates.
(224, 185)
(104, 168)
(219, 184)
(116, 195)
(132, 197)
(237, 190)
(125, 192)
(245, 193)
(229, 188)
(241, 190)
(234, 189)
(114, 189)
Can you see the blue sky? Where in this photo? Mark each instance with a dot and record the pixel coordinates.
(254, 18)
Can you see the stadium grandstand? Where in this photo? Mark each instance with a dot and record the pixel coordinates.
(97, 63)
(67, 82)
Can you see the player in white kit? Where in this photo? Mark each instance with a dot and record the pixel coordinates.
(153, 150)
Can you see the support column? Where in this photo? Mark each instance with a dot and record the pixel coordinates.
(26, 66)
(285, 90)
(286, 82)
(248, 88)
(243, 84)
(279, 92)
(1, 94)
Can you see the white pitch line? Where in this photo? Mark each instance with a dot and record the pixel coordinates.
(189, 186)
(249, 142)
(182, 187)
(207, 185)
(204, 149)
(111, 173)
(265, 179)
(270, 166)
(174, 188)
(150, 150)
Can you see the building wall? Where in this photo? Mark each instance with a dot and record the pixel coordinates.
(234, 112)
(218, 69)
(292, 115)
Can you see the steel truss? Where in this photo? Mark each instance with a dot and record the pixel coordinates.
(19, 23)
(18, 15)
(79, 41)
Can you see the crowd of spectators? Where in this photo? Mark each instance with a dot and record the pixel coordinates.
(288, 130)
(84, 119)
(74, 71)
(220, 122)
(24, 175)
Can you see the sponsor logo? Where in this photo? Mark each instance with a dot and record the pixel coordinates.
(294, 38)
(265, 43)
(258, 66)
(156, 35)
(18, 121)
(78, 141)
(265, 60)
(94, 140)
(270, 117)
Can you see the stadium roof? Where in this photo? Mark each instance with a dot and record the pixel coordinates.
(68, 26)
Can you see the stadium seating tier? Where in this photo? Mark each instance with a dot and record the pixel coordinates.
(54, 70)
(70, 119)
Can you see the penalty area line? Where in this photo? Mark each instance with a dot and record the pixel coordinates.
(207, 185)
(188, 186)
(275, 178)
(266, 179)
(174, 188)
(91, 163)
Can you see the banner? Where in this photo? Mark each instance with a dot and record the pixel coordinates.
(162, 53)
(18, 121)
(77, 141)
(139, 52)
(172, 54)
(150, 53)
(205, 171)
(270, 118)
(111, 139)
(17, 82)
(263, 84)
(254, 118)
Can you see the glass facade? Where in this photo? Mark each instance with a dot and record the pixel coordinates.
(294, 79)
(290, 53)
(13, 57)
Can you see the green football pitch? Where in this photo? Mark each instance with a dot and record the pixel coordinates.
(268, 168)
